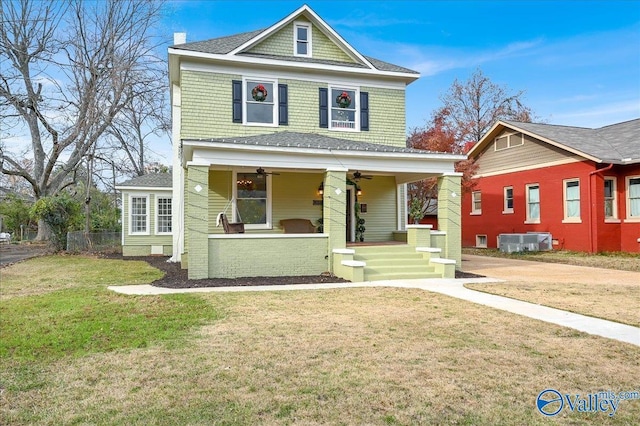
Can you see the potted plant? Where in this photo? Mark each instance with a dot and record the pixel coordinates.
(415, 210)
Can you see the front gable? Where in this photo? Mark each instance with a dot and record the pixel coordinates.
(510, 151)
(282, 44)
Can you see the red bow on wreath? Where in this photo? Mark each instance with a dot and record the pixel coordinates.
(343, 100)
(259, 93)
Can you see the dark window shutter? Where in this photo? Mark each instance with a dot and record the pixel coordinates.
(283, 106)
(237, 101)
(324, 107)
(364, 111)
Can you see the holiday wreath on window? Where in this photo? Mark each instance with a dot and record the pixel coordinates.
(259, 93)
(343, 100)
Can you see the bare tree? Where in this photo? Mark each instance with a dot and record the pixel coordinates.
(472, 107)
(68, 70)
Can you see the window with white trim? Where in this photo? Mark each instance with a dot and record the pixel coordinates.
(481, 241)
(505, 141)
(260, 102)
(252, 193)
(571, 195)
(344, 108)
(533, 203)
(138, 214)
(508, 199)
(610, 198)
(633, 198)
(302, 39)
(476, 202)
(163, 215)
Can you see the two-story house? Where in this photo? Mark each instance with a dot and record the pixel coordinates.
(292, 132)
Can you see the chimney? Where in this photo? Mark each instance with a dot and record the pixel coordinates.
(179, 38)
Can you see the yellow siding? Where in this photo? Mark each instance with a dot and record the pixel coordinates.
(379, 194)
(206, 111)
(281, 44)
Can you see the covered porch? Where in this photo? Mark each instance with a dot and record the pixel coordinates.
(347, 192)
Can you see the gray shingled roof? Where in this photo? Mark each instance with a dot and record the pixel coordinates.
(312, 141)
(618, 143)
(151, 180)
(224, 45)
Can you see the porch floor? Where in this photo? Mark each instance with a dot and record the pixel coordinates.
(378, 243)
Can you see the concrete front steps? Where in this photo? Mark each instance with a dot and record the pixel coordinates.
(396, 262)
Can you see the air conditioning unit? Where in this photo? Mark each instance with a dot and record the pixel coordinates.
(516, 243)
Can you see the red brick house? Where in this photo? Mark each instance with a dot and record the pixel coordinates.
(581, 185)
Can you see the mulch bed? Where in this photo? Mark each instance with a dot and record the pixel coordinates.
(176, 277)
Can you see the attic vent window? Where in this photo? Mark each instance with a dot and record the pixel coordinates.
(302, 39)
(508, 141)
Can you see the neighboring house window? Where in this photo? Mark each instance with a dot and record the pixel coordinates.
(508, 141)
(163, 216)
(481, 241)
(508, 199)
(302, 39)
(260, 102)
(572, 200)
(633, 198)
(344, 109)
(533, 203)
(476, 202)
(138, 206)
(253, 200)
(610, 199)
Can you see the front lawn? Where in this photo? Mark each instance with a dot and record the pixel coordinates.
(345, 356)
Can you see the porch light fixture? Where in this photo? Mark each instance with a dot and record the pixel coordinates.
(358, 191)
(321, 188)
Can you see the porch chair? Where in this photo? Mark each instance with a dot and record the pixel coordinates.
(230, 228)
(297, 226)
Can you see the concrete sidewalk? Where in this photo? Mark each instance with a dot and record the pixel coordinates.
(450, 287)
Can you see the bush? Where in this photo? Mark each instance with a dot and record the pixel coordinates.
(61, 213)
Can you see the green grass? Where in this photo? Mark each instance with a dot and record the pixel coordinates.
(73, 352)
(80, 322)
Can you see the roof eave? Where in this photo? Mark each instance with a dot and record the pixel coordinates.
(173, 65)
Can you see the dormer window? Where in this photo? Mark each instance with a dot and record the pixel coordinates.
(302, 39)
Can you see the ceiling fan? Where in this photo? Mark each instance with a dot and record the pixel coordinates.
(261, 172)
(357, 176)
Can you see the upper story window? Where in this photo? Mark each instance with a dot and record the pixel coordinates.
(344, 109)
(260, 101)
(302, 39)
(508, 141)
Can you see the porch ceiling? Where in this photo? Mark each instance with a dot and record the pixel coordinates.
(316, 153)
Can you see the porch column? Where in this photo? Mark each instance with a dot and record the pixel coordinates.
(335, 210)
(449, 215)
(197, 223)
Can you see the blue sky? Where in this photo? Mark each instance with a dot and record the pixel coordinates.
(577, 61)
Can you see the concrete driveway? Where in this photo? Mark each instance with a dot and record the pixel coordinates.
(530, 271)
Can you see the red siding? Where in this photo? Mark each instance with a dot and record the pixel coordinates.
(591, 235)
